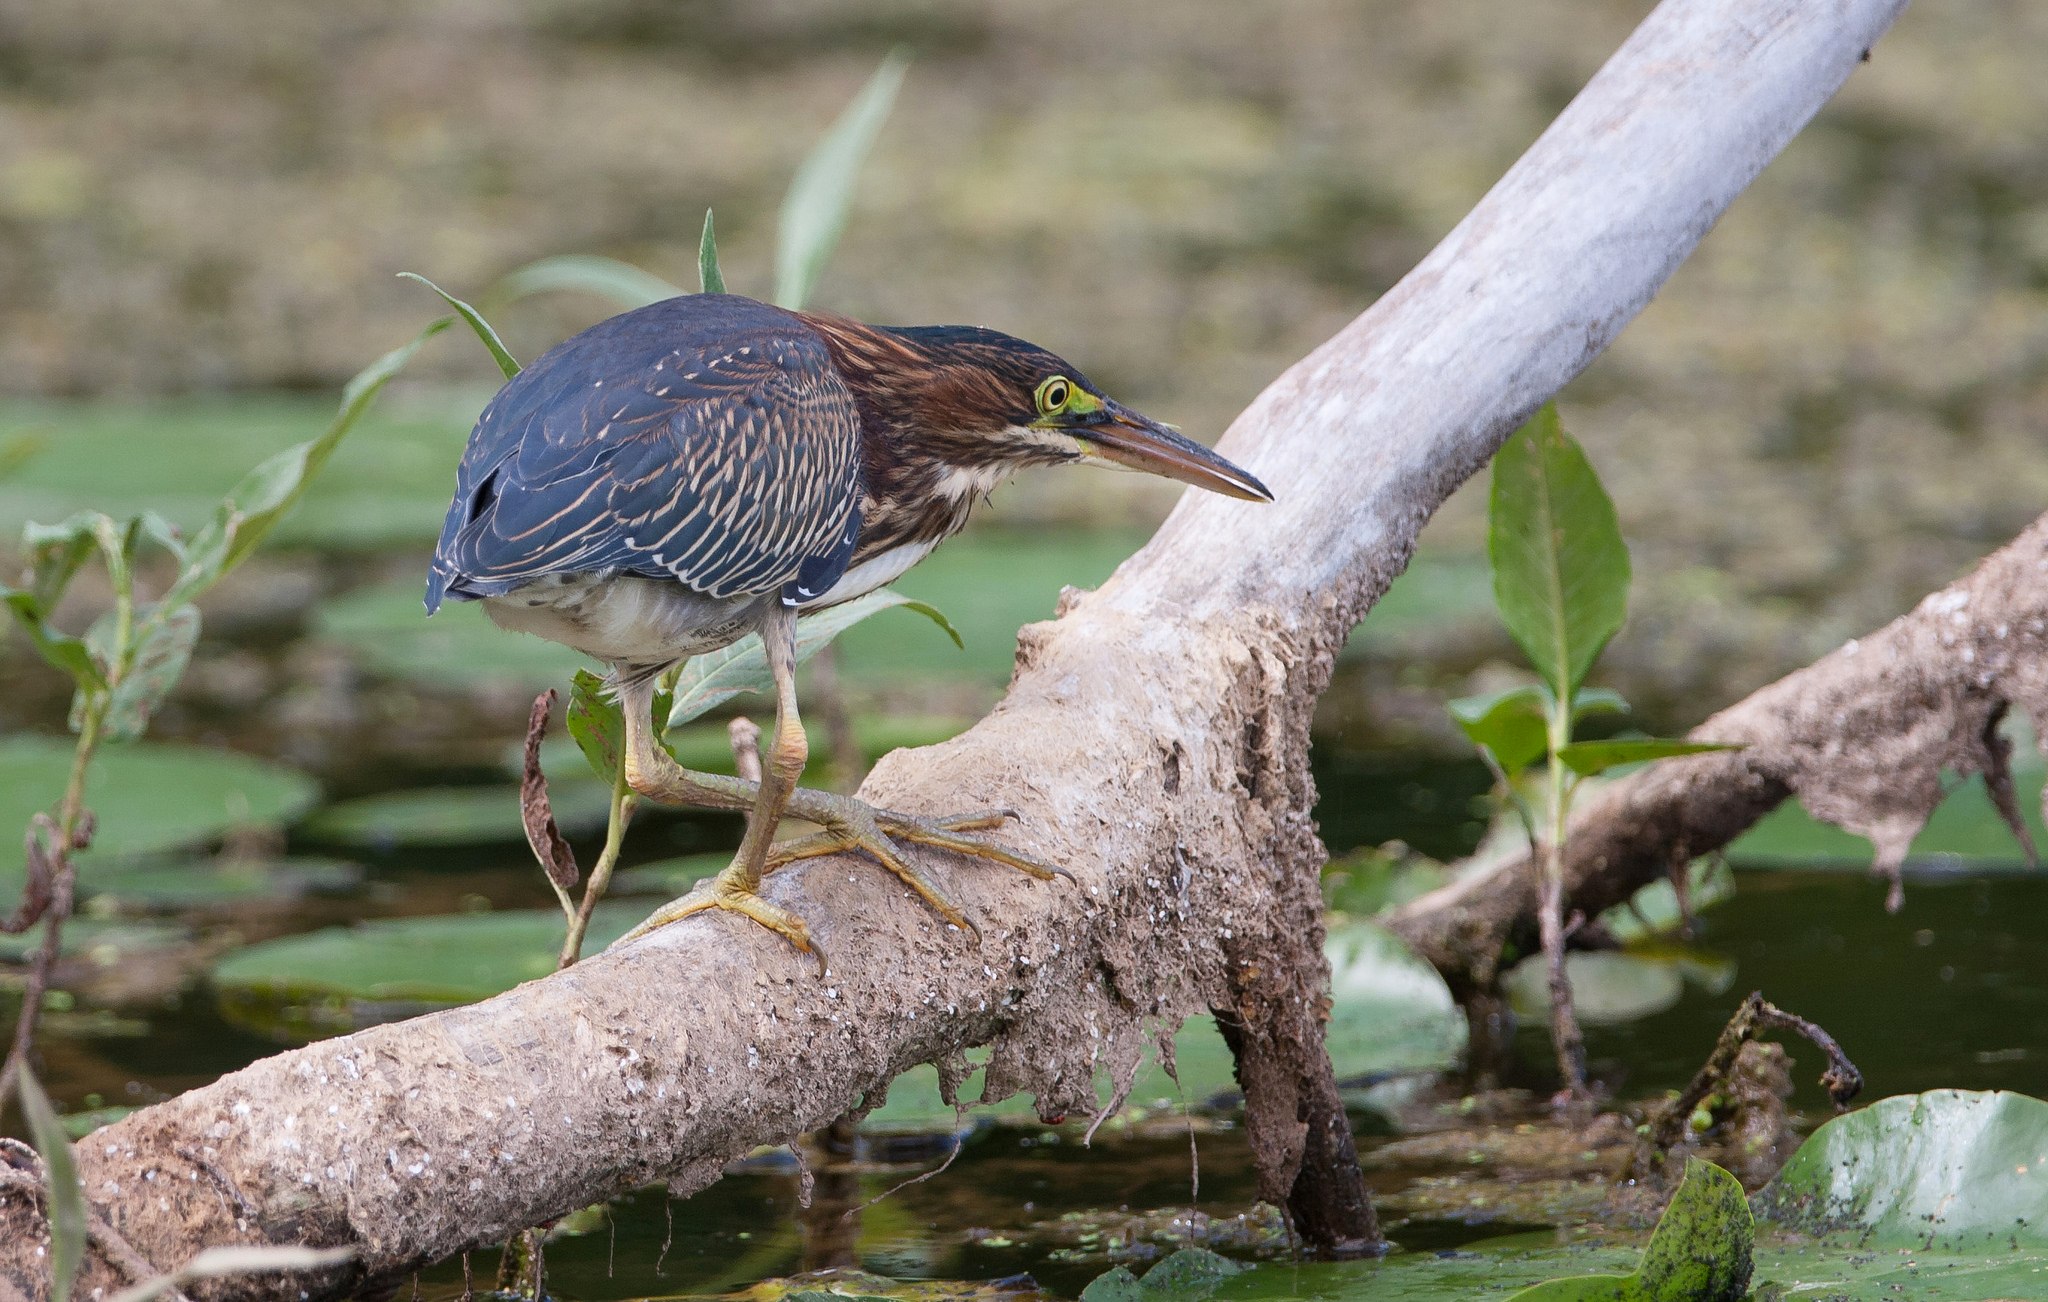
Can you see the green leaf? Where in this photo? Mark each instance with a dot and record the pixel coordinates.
(1589, 757)
(718, 676)
(1560, 567)
(1701, 1251)
(59, 650)
(1510, 724)
(598, 725)
(56, 552)
(1190, 1273)
(496, 346)
(162, 796)
(814, 209)
(425, 816)
(1957, 1170)
(164, 648)
(67, 1194)
(621, 282)
(1589, 701)
(326, 982)
(266, 493)
(710, 279)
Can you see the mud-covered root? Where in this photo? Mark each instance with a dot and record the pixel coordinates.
(1753, 1018)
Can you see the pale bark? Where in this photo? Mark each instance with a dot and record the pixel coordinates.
(1154, 740)
(1869, 738)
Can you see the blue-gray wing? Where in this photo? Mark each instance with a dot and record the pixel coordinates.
(708, 439)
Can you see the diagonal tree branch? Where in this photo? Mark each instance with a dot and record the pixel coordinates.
(1154, 740)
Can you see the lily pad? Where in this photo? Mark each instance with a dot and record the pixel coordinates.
(387, 485)
(1610, 987)
(176, 885)
(456, 815)
(1961, 1170)
(336, 980)
(1701, 1250)
(148, 797)
(388, 626)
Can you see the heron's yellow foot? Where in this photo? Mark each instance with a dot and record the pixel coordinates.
(731, 892)
(851, 824)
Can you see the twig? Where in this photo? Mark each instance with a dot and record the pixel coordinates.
(745, 736)
(1755, 1016)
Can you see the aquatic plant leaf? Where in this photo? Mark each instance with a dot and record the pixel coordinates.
(66, 1193)
(1960, 1169)
(717, 676)
(492, 344)
(1509, 724)
(326, 982)
(255, 505)
(425, 816)
(814, 208)
(1701, 1251)
(1560, 567)
(621, 282)
(459, 647)
(170, 795)
(60, 651)
(165, 648)
(1587, 758)
(1191, 1273)
(710, 280)
(1589, 701)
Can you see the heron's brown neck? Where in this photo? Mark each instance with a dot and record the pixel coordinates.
(925, 457)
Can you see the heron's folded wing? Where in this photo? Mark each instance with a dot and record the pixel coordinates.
(709, 442)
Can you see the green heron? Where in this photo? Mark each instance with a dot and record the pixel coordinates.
(680, 475)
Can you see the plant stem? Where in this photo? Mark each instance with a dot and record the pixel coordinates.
(601, 873)
(1565, 1036)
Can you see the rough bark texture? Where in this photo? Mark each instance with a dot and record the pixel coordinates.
(1154, 740)
(1865, 738)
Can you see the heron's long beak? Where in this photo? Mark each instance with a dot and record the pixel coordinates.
(1136, 443)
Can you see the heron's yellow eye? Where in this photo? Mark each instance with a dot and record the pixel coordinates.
(1054, 394)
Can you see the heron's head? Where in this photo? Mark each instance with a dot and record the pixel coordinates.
(980, 400)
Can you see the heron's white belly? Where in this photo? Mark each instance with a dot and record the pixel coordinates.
(623, 619)
(874, 572)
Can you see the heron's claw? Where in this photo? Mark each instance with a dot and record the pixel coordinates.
(723, 893)
(853, 825)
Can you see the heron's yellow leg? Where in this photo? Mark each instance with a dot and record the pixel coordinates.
(650, 771)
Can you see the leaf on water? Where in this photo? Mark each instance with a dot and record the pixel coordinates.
(1510, 724)
(255, 505)
(1589, 757)
(1701, 1251)
(166, 642)
(67, 1194)
(169, 795)
(710, 279)
(427, 816)
(621, 282)
(1963, 1170)
(1191, 1273)
(814, 209)
(542, 833)
(496, 346)
(718, 676)
(1560, 567)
